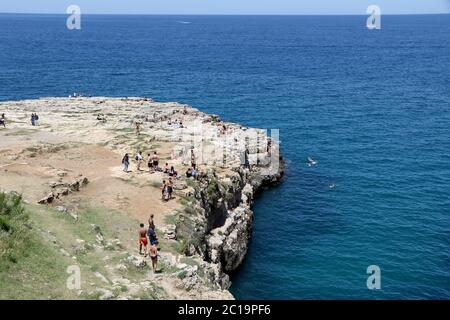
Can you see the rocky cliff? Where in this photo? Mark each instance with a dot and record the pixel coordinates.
(217, 225)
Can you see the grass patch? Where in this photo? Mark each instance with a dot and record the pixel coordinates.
(170, 219)
(29, 267)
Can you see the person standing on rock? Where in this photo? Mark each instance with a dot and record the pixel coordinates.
(139, 160)
(143, 242)
(164, 191)
(154, 257)
(246, 160)
(170, 188)
(150, 163)
(137, 127)
(193, 164)
(152, 236)
(155, 161)
(126, 162)
(151, 223)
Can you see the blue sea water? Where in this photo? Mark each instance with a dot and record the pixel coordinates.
(372, 106)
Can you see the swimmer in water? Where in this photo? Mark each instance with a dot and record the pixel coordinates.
(311, 162)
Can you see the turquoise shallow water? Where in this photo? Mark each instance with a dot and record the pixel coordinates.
(370, 106)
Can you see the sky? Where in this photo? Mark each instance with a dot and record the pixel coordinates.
(227, 6)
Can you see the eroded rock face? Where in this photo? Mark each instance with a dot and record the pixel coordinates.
(138, 262)
(219, 229)
(61, 189)
(47, 199)
(235, 245)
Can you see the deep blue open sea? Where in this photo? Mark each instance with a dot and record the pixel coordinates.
(372, 106)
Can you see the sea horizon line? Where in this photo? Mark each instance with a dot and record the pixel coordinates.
(227, 14)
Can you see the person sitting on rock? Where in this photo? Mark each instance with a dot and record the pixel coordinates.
(189, 173)
(143, 242)
(101, 117)
(194, 173)
(172, 172)
(166, 168)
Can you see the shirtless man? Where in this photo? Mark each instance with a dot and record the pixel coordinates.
(137, 127)
(143, 241)
(154, 256)
(150, 163)
(155, 161)
(151, 223)
(170, 188)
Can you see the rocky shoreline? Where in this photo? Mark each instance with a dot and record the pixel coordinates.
(223, 225)
(211, 220)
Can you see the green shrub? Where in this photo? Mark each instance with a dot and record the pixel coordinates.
(13, 226)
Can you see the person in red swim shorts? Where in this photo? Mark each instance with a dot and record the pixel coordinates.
(143, 241)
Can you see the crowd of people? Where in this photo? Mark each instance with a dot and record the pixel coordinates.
(148, 240)
(152, 162)
(153, 166)
(34, 119)
(175, 124)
